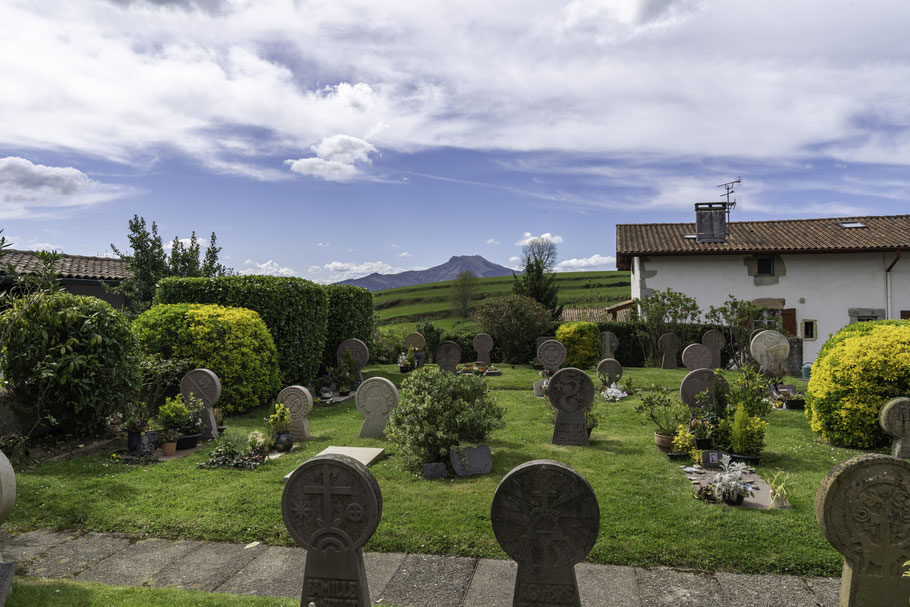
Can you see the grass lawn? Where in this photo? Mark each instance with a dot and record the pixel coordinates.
(648, 515)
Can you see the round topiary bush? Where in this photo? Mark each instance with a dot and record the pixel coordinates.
(582, 342)
(857, 371)
(438, 410)
(71, 360)
(232, 342)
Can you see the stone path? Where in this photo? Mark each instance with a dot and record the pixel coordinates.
(404, 580)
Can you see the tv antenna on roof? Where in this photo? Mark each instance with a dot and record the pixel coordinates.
(731, 204)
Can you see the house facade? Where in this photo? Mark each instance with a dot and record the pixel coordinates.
(822, 274)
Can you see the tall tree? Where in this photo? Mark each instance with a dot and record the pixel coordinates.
(539, 286)
(540, 250)
(463, 288)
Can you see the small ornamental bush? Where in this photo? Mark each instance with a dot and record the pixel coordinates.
(857, 371)
(582, 342)
(70, 359)
(514, 322)
(439, 410)
(234, 343)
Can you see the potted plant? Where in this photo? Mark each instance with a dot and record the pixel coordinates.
(279, 424)
(172, 417)
(747, 436)
(702, 430)
(133, 420)
(727, 485)
(192, 424)
(403, 365)
(169, 441)
(666, 415)
(411, 359)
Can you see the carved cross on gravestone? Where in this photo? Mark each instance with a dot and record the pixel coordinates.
(299, 402)
(376, 398)
(697, 382)
(611, 368)
(546, 517)
(447, 356)
(571, 392)
(696, 356)
(862, 508)
(551, 354)
(608, 344)
(714, 341)
(483, 343)
(668, 344)
(7, 501)
(417, 341)
(894, 419)
(361, 355)
(331, 506)
(770, 349)
(204, 385)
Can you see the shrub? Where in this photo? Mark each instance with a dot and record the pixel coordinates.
(71, 360)
(853, 377)
(294, 310)
(582, 342)
(232, 342)
(386, 344)
(747, 434)
(439, 410)
(350, 315)
(514, 322)
(160, 378)
(431, 334)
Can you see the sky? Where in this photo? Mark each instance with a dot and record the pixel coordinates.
(330, 140)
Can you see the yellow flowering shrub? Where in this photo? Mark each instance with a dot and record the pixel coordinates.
(582, 342)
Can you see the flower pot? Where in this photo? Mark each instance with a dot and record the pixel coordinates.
(326, 395)
(344, 392)
(664, 442)
(168, 449)
(188, 441)
(404, 369)
(133, 440)
(703, 444)
(283, 442)
(736, 501)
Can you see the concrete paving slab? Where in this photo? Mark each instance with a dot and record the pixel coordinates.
(26, 546)
(825, 589)
(741, 590)
(380, 569)
(429, 581)
(72, 557)
(138, 562)
(607, 585)
(278, 571)
(492, 585)
(663, 587)
(207, 567)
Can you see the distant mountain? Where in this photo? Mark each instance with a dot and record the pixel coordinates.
(447, 271)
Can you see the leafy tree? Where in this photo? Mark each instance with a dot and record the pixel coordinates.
(514, 322)
(541, 250)
(537, 285)
(463, 288)
(665, 312)
(736, 318)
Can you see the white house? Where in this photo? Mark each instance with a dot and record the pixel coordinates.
(821, 273)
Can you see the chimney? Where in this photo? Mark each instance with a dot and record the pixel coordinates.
(710, 221)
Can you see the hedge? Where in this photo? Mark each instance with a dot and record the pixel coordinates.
(350, 314)
(582, 342)
(295, 311)
(630, 353)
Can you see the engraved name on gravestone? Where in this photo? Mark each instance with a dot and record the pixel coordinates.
(331, 506)
(611, 368)
(204, 385)
(698, 381)
(417, 341)
(863, 509)
(546, 517)
(571, 392)
(447, 356)
(770, 349)
(483, 343)
(714, 341)
(669, 344)
(696, 356)
(376, 398)
(894, 419)
(551, 354)
(359, 351)
(608, 344)
(7, 501)
(299, 402)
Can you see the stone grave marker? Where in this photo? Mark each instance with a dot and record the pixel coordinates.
(447, 356)
(471, 461)
(710, 459)
(204, 385)
(417, 341)
(571, 392)
(611, 368)
(483, 343)
(698, 381)
(894, 419)
(608, 344)
(540, 340)
(770, 350)
(546, 517)
(714, 341)
(376, 398)
(299, 402)
(669, 344)
(551, 354)
(863, 509)
(359, 351)
(331, 506)
(7, 501)
(696, 356)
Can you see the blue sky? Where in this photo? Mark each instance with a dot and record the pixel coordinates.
(332, 139)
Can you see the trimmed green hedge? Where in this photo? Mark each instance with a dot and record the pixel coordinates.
(582, 342)
(630, 353)
(232, 342)
(350, 314)
(295, 311)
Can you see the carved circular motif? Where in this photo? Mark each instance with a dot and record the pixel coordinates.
(551, 354)
(359, 351)
(697, 356)
(698, 381)
(203, 384)
(7, 488)
(331, 502)
(609, 341)
(571, 390)
(448, 354)
(894, 417)
(769, 349)
(376, 396)
(669, 342)
(415, 340)
(545, 513)
(611, 368)
(297, 399)
(483, 342)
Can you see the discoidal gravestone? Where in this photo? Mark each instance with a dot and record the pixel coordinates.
(551, 354)
(376, 398)
(698, 381)
(770, 350)
(571, 392)
(894, 419)
(359, 351)
(696, 356)
(608, 344)
(299, 402)
(417, 341)
(447, 356)
(714, 341)
(483, 344)
(204, 385)
(669, 344)
(610, 368)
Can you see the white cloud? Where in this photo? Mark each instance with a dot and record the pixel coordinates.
(545, 236)
(514, 259)
(320, 244)
(44, 246)
(203, 243)
(594, 262)
(270, 267)
(314, 269)
(338, 158)
(343, 270)
(492, 241)
(404, 254)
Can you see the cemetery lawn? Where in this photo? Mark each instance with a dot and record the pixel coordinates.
(648, 514)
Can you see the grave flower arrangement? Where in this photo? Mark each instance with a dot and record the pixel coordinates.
(727, 485)
(403, 364)
(233, 450)
(133, 418)
(613, 394)
(279, 424)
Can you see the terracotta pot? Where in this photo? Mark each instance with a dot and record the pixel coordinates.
(168, 449)
(664, 442)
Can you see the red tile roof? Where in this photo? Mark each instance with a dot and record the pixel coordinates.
(69, 266)
(881, 233)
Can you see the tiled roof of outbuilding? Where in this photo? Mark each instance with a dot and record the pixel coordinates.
(69, 266)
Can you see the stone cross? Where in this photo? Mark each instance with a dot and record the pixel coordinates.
(551, 354)
(7, 501)
(447, 356)
(862, 508)
(714, 340)
(608, 344)
(483, 343)
(770, 349)
(696, 356)
(299, 402)
(698, 381)
(376, 398)
(894, 419)
(359, 351)
(204, 385)
(546, 517)
(611, 368)
(571, 392)
(331, 506)
(669, 344)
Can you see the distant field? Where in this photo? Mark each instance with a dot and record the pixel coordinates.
(406, 305)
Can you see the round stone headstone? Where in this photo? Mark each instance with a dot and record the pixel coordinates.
(608, 344)
(415, 340)
(611, 368)
(669, 342)
(894, 419)
(770, 349)
(714, 340)
(203, 384)
(448, 355)
(551, 354)
(571, 390)
(696, 356)
(7, 488)
(299, 402)
(482, 342)
(376, 398)
(698, 381)
(358, 349)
